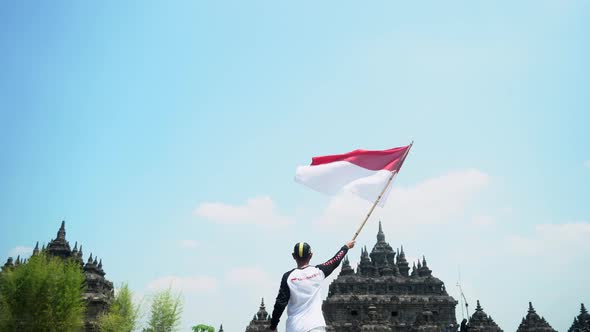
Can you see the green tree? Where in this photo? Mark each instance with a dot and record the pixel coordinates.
(123, 313)
(203, 328)
(165, 313)
(43, 294)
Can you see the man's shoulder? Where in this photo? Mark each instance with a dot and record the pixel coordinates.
(310, 272)
(286, 274)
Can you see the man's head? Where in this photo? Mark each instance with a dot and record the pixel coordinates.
(302, 253)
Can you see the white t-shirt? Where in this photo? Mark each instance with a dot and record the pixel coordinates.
(300, 293)
(304, 310)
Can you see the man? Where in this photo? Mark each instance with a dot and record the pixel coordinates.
(300, 290)
(464, 326)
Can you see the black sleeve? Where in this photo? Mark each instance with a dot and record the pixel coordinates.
(329, 266)
(281, 301)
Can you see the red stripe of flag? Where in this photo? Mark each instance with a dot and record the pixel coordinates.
(375, 160)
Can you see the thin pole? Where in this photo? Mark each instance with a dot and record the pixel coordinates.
(381, 195)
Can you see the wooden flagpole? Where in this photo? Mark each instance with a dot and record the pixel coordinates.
(380, 195)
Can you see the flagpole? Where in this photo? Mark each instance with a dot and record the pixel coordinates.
(380, 195)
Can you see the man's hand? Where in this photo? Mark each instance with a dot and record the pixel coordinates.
(350, 244)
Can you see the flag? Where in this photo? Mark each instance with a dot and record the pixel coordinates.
(362, 172)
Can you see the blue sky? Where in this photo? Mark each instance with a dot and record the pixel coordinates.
(167, 135)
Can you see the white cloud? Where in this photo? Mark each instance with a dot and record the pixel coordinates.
(553, 240)
(190, 284)
(188, 244)
(249, 277)
(252, 282)
(22, 251)
(484, 221)
(257, 211)
(432, 201)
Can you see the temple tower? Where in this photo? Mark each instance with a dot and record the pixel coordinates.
(482, 322)
(99, 291)
(533, 323)
(382, 254)
(402, 263)
(60, 247)
(382, 297)
(581, 322)
(261, 320)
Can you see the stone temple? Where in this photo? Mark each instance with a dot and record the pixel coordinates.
(99, 291)
(581, 322)
(482, 322)
(534, 323)
(383, 295)
(261, 320)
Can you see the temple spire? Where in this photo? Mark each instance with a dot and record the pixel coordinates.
(36, 250)
(424, 271)
(61, 234)
(364, 253)
(533, 322)
(478, 307)
(346, 268)
(220, 328)
(8, 265)
(402, 263)
(262, 314)
(380, 234)
(387, 270)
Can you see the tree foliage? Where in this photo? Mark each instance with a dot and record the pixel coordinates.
(122, 315)
(43, 294)
(203, 328)
(165, 312)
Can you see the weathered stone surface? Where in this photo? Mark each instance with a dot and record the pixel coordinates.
(534, 323)
(383, 297)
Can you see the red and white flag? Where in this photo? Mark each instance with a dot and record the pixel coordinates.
(362, 172)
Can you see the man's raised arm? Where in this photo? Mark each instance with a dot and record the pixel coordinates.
(329, 266)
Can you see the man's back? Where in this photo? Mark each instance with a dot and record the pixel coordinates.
(300, 291)
(305, 303)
